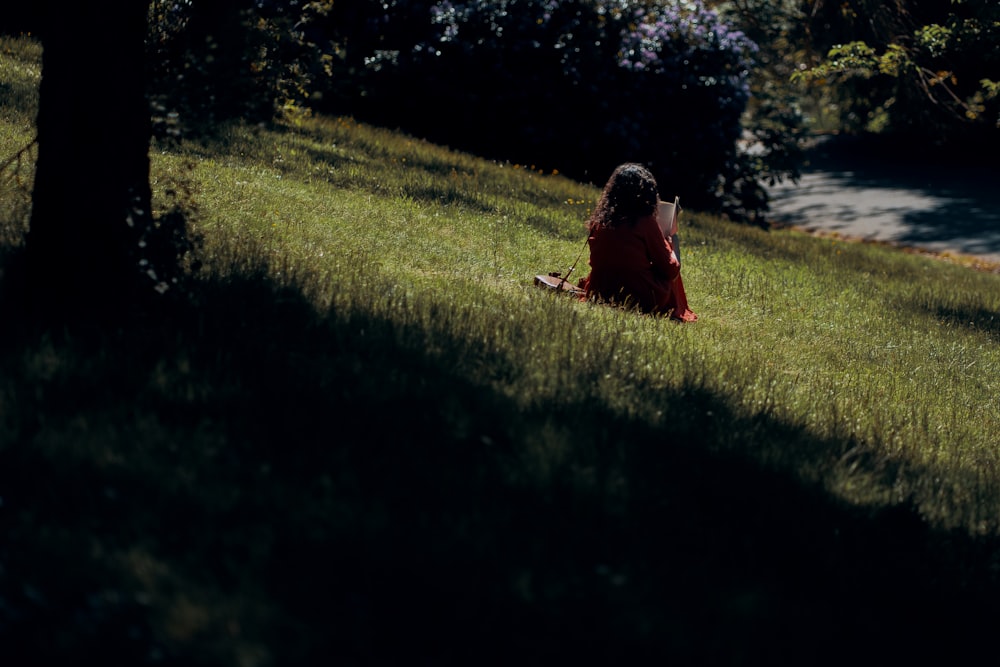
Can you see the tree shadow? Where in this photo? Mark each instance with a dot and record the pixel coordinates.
(251, 477)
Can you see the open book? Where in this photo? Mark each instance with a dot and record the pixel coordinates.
(666, 217)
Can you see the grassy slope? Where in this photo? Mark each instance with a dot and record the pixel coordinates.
(372, 441)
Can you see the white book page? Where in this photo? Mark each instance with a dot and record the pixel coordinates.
(666, 216)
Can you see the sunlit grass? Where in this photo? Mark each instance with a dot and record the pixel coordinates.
(20, 71)
(891, 355)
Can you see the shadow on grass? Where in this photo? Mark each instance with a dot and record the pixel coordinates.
(975, 318)
(247, 482)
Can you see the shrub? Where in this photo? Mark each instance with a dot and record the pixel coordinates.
(248, 59)
(573, 85)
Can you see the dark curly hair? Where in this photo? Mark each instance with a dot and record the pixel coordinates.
(629, 194)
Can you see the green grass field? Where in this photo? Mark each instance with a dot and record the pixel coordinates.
(367, 438)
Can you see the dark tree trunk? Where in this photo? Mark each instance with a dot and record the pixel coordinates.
(91, 198)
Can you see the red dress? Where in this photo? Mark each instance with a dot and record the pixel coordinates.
(635, 266)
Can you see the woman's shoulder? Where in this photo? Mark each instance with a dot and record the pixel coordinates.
(647, 225)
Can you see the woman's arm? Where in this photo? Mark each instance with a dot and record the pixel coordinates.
(658, 249)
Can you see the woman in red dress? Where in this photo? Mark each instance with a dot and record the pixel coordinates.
(631, 262)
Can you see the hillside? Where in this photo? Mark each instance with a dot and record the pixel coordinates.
(366, 438)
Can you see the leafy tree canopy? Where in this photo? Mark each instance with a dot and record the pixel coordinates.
(928, 68)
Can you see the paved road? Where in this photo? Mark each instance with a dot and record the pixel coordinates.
(865, 193)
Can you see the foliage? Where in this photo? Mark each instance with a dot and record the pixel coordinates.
(577, 85)
(929, 69)
(249, 59)
(777, 118)
(573, 85)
